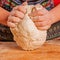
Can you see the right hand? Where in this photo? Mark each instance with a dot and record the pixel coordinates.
(16, 15)
(42, 18)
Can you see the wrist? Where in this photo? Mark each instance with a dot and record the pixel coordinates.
(3, 16)
(56, 13)
(54, 18)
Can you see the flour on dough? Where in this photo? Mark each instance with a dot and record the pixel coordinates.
(26, 34)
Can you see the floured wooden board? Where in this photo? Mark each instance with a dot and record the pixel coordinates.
(49, 51)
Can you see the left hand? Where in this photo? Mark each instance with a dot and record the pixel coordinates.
(16, 15)
(43, 19)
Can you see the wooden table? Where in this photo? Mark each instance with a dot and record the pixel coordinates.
(49, 51)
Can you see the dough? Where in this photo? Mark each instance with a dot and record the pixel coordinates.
(26, 34)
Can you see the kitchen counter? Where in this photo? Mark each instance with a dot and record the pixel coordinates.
(49, 51)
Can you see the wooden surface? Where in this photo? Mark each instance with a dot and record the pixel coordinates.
(49, 51)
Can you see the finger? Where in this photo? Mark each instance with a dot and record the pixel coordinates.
(38, 19)
(41, 24)
(14, 19)
(40, 13)
(17, 14)
(20, 8)
(36, 13)
(35, 19)
(33, 14)
(11, 24)
(44, 28)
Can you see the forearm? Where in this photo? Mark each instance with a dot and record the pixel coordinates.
(56, 13)
(3, 16)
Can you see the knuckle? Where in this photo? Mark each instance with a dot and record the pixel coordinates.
(42, 24)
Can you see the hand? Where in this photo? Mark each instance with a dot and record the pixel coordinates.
(16, 15)
(42, 18)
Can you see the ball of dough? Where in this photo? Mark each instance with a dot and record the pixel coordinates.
(26, 34)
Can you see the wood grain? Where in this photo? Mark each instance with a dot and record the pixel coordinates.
(49, 51)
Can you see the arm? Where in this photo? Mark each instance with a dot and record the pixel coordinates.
(56, 12)
(45, 18)
(3, 16)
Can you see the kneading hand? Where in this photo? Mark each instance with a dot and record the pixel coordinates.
(16, 15)
(42, 18)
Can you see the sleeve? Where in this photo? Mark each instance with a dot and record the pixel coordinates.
(56, 2)
(9, 4)
(1, 3)
(6, 4)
